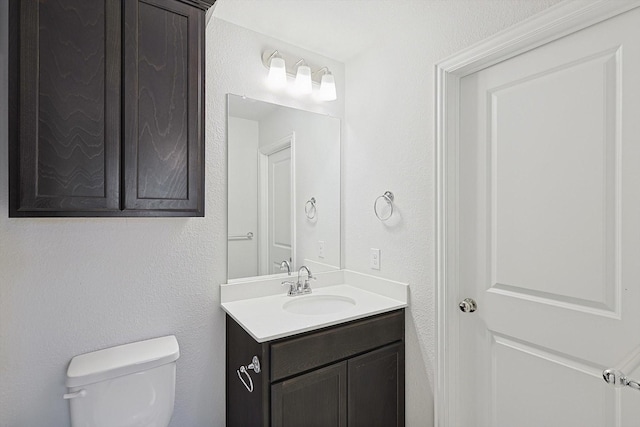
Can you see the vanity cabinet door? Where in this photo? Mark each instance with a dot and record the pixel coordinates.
(64, 104)
(376, 388)
(163, 103)
(315, 399)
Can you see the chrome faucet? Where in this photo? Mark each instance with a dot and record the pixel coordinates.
(299, 288)
(304, 288)
(285, 265)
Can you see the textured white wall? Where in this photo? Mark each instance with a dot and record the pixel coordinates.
(69, 286)
(389, 145)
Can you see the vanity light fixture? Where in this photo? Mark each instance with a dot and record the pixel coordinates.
(277, 71)
(303, 83)
(327, 86)
(281, 65)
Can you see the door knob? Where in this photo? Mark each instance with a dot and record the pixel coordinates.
(619, 379)
(468, 305)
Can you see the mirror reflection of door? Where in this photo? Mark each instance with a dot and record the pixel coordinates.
(276, 200)
(280, 206)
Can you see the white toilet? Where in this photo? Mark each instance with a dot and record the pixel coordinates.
(132, 385)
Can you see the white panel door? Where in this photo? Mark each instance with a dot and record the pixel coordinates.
(549, 233)
(280, 209)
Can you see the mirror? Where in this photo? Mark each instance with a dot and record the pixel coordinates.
(283, 189)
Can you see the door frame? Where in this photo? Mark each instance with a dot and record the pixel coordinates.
(553, 23)
(264, 152)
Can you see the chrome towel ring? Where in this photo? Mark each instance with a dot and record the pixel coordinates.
(255, 366)
(383, 206)
(310, 208)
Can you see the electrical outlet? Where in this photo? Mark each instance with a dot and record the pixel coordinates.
(320, 248)
(375, 259)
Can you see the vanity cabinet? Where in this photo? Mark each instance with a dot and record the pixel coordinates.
(318, 397)
(106, 107)
(350, 374)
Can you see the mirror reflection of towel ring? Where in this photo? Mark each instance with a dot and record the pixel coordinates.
(383, 206)
(310, 208)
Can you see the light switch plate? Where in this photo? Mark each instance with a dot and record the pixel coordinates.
(375, 259)
(320, 248)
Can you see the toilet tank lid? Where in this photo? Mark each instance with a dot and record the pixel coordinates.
(124, 359)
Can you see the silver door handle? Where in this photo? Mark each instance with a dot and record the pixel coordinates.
(468, 305)
(619, 379)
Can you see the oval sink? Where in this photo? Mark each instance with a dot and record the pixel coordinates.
(318, 304)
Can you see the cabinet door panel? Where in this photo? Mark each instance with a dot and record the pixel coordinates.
(315, 399)
(323, 347)
(376, 388)
(164, 150)
(69, 123)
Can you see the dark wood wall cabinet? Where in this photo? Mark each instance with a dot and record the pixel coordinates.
(106, 107)
(346, 375)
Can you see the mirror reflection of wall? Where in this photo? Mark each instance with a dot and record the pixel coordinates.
(279, 158)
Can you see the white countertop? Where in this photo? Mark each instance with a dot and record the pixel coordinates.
(258, 308)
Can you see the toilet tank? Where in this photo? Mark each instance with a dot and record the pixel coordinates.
(131, 385)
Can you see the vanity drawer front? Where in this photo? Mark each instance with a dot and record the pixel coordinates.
(296, 355)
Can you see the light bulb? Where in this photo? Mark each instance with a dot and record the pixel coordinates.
(327, 88)
(303, 80)
(277, 73)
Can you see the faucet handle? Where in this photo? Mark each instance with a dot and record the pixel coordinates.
(306, 288)
(292, 286)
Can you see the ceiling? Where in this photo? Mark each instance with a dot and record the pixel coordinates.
(337, 29)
